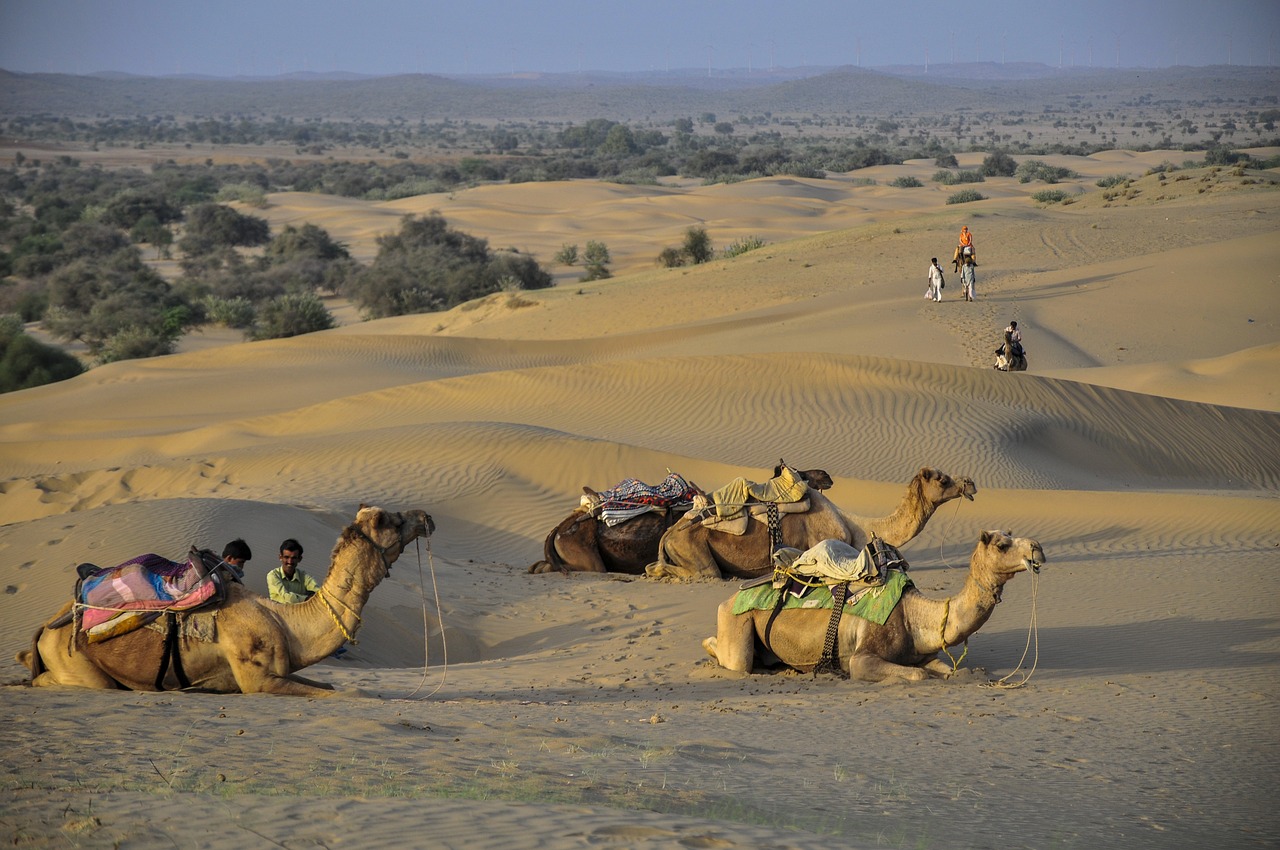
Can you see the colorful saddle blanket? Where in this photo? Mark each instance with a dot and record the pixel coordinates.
(632, 497)
(869, 603)
(116, 600)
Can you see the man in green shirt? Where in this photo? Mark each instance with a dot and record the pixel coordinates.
(288, 583)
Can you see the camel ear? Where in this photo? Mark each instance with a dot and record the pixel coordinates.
(928, 474)
(589, 491)
(986, 538)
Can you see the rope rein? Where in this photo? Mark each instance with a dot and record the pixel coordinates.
(1033, 633)
(426, 629)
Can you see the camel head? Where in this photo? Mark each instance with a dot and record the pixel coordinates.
(999, 556)
(388, 532)
(938, 488)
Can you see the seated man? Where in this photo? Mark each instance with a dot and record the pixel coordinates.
(288, 583)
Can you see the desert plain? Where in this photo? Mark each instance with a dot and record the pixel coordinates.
(1125, 697)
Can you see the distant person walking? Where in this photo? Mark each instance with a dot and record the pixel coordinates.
(936, 282)
(969, 279)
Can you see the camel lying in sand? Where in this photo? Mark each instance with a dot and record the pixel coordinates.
(256, 645)
(582, 542)
(690, 550)
(905, 647)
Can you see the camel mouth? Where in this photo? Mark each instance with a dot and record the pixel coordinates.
(1033, 565)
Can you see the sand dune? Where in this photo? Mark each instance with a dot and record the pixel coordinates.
(1140, 449)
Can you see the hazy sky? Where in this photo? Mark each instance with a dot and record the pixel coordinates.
(264, 37)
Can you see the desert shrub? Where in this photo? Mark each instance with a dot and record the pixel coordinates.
(306, 242)
(742, 246)
(1223, 155)
(231, 312)
(697, 245)
(965, 196)
(951, 178)
(428, 266)
(671, 258)
(906, 182)
(998, 164)
(1112, 180)
(946, 160)
(135, 343)
(96, 299)
(26, 299)
(246, 193)
(595, 260)
(514, 270)
(1049, 196)
(292, 314)
(1034, 169)
(210, 226)
(26, 362)
(567, 255)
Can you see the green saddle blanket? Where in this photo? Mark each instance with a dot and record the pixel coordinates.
(874, 604)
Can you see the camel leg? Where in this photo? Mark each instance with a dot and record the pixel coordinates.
(64, 665)
(734, 645)
(682, 555)
(872, 668)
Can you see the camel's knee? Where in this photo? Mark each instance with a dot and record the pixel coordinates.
(26, 659)
(710, 646)
(540, 567)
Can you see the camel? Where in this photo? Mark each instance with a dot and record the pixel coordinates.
(583, 543)
(906, 647)
(690, 550)
(1011, 356)
(256, 645)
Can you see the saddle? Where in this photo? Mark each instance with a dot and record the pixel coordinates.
(632, 497)
(729, 507)
(112, 601)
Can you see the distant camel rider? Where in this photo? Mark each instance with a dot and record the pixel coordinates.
(966, 244)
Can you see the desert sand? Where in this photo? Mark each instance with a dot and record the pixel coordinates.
(486, 707)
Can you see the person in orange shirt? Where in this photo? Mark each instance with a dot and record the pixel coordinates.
(966, 241)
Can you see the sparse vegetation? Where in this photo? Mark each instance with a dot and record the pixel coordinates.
(965, 196)
(1049, 196)
(905, 182)
(26, 362)
(742, 246)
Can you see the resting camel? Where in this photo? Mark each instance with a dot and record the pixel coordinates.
(582, 542)
(257, 645)
(690, 550)
(1011, 356)
(906, 647)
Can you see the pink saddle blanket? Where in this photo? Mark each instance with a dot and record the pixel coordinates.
(146, 583)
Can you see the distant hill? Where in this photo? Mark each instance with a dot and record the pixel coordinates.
(632, 97)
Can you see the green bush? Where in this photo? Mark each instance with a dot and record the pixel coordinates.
(231, 312)
(906, 182)
(697, 245)
(245, 193)
(951, 178)
(595, 260)
(1049, 196)
(964, 196)
(998, 164)
(1034, 169)
(26, 362)
(134, 343)
(292, 314)
(1113, 180)
(742, 246)
(671, 258)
